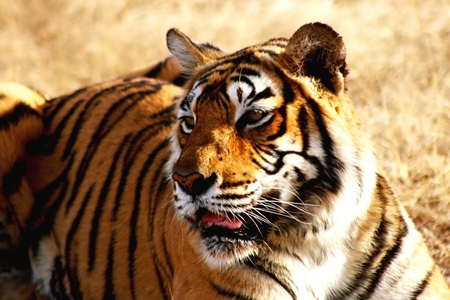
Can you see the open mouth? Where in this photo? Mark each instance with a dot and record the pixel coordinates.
(229, 228)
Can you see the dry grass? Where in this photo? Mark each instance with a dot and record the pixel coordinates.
(398, 53)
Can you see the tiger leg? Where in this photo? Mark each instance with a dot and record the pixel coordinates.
(20, 122)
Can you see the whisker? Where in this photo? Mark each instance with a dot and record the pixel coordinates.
(285, 214)
(256, 213)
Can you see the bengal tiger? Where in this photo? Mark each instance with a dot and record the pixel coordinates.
(252, 181)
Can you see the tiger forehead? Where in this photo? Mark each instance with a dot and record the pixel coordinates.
(244, 86)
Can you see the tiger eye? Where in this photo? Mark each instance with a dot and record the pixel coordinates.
(255, 115)
(190, 122)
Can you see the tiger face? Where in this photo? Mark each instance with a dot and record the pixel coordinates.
(253, 160)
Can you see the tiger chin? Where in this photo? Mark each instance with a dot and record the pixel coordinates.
(252, 181)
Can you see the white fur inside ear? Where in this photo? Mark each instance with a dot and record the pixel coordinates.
(184, 50)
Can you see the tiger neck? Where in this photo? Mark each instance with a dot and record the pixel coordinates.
(314, 255)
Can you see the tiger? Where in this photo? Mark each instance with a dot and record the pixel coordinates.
(254, 180)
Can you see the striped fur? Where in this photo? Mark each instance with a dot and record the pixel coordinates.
(103, 154)
(256, 184)
(20, 124)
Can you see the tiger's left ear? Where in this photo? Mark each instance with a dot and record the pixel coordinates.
(188, 53)
(316, 50)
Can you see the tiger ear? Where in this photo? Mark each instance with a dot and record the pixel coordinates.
(188, 53)
(317, 51)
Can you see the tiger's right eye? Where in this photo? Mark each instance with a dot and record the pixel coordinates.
(190, 122)
(187, 124)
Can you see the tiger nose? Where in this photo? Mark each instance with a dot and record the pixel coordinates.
(195, 183)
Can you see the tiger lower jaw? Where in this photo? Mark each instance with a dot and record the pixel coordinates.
(221, 252)
(226, 241)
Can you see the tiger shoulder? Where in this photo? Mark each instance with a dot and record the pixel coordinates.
(252, 181)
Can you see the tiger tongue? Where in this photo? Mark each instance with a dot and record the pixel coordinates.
(209, 219)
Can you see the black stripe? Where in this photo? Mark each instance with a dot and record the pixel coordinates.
(110, 119)
(45, 208)
(135, 214)
(208, 46)
(223, 100)
(91, 104)
(262, 155)
(50, 111)
(266, 93)
(136, 146)
(387, 260)
(329, 173)
(304, 130)
(19, 112)
(163, 284)
(379, 242)
(109, 286)
(299, 178)
(71, 270)
(204, 78)
(275, 272)
(423, 284)
(154, 72)
(167, 259)
(75, 280)
(180, 80)
(185, 104)
(232, 197)
(95, 224)
(266, 170)
(227, 292)
(249, 72)
(57, 288)
(277, 42)
(288, 92)
(13, 178)
(46, 144)
(271, 53)
(279, 159)
(76, 128)
(216, 68)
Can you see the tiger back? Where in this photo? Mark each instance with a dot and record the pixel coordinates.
(254, 181)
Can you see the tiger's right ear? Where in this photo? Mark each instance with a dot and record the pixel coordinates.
(188, 53)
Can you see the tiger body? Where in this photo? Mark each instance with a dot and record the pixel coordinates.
(89, 219)
(254, 181)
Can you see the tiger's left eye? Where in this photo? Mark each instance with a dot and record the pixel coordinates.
(255, 115)
(252, 119)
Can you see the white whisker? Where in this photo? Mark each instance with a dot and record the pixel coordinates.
(282, 213)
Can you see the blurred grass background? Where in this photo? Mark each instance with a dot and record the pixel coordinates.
(398, 55)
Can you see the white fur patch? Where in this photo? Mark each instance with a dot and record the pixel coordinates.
(42, 264)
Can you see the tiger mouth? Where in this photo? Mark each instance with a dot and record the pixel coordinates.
(229, 229)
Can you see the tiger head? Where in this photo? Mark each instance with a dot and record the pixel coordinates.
(265, 143)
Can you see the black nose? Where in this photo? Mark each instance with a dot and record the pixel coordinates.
(195, 183)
